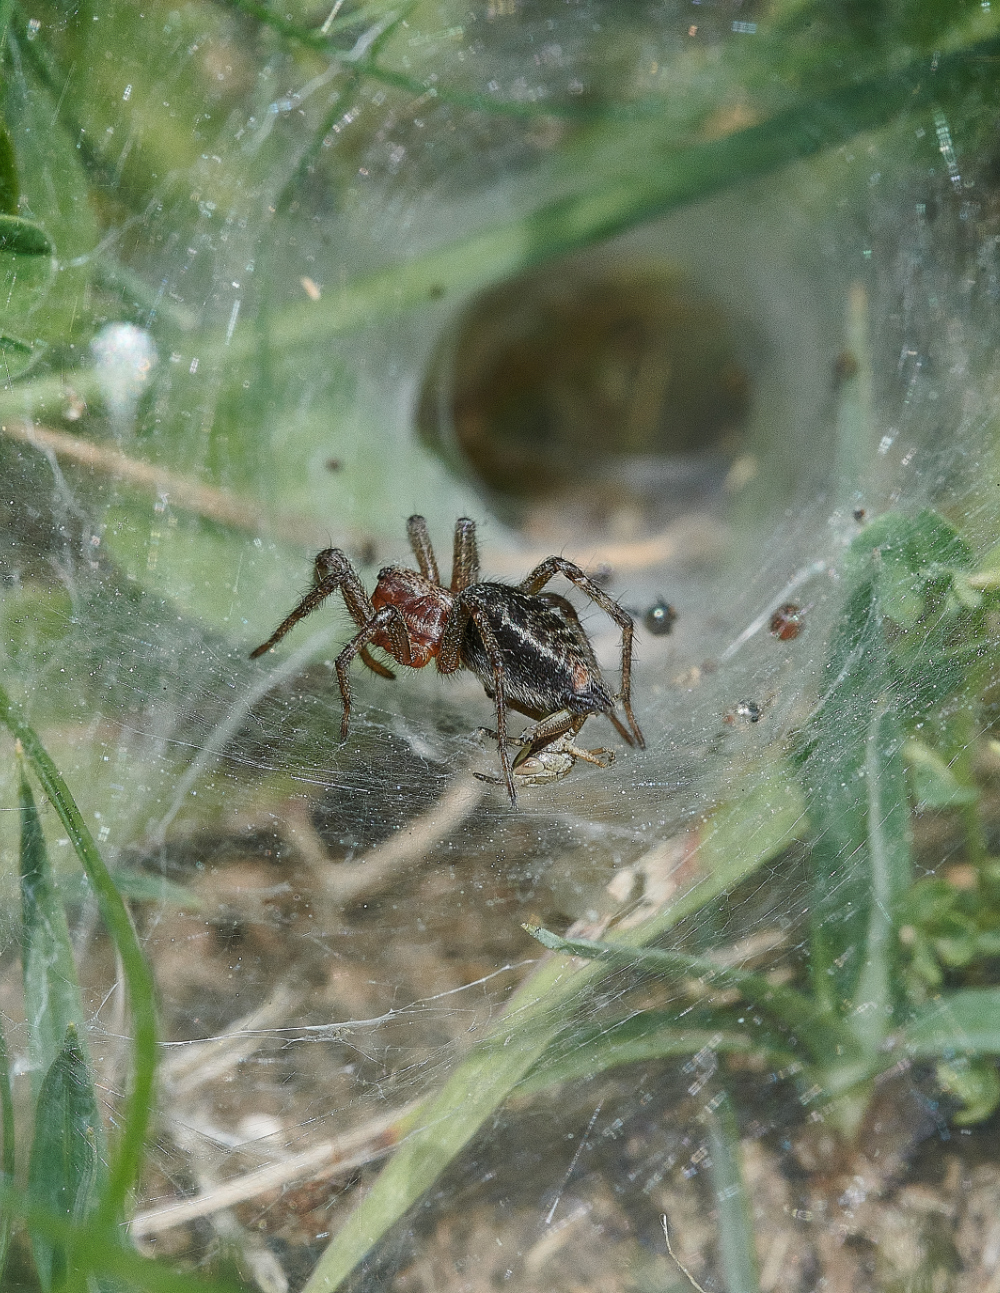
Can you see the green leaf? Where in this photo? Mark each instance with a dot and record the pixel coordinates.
(934, 784)
(9, 187)
(833, 753)
(917, 543)
(620, 176)
(878, 995)
(24, 237)
(966, 1022)
(823, 1035)
(765, 809)
(976, 1083)
(7, 342)
(17, 357)
(583, 1052)
(737, 1244)
(138, 976)
(107, 1256)
(65, 1170)
(900, 588)
(138, 886)
(7, 1157)
(52, 998)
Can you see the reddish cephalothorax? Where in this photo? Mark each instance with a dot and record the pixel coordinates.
(527, 648)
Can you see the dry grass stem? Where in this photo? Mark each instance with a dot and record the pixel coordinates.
(371, 1141)
(205, 500)
(349, 881)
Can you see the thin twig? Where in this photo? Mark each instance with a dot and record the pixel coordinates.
(373, 1140)
(346, 882)
(197, 1062)
(697, 532)
(677, 1261)
(226, 729)
(215, 504)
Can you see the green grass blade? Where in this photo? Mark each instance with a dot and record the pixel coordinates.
(737, 1248)
(65, 1169)
(10, 187)
(965, 1022)
(24, 237)
(833, 772)
(52, 1000)
(855, 421)
(884, 660)
(878, 992)
(651, 178)
(7, 1155)
(487, 1076)
(100, 1254)
(583, 1052)
(824, 1036)
(138, 976)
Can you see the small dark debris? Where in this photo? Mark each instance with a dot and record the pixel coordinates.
(660, 618)
(845, 366)
(750, 710)
(859, 514)
(334, 464)
(786, 622)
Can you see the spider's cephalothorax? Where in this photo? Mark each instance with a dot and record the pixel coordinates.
(527, 648)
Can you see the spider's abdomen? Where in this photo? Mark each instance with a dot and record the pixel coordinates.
(424, 605)
(548, 663)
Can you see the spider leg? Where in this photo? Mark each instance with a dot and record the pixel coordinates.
(621, 729)
(449, 659)
(387, 619)
(376, 666)
(536, 581)
(331, 571)
(465, 559)
(420, 542)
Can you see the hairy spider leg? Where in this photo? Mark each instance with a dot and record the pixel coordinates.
(547, 570)
(388, 620)
(449, 659)
(465, 558)
(420, 542)
(376, 666)
(331, 571)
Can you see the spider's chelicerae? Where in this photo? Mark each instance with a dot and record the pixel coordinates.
(527, 648)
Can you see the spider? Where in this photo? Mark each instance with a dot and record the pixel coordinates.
(527, 648)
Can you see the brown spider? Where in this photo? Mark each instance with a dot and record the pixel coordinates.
(526, 647)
